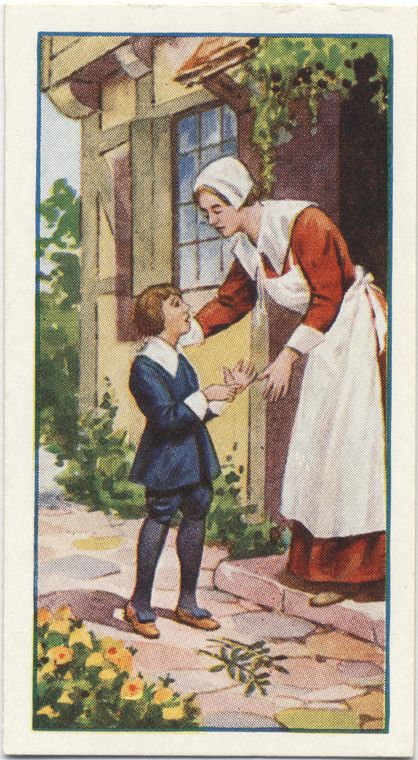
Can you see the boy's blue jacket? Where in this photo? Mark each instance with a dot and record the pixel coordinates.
(175, 449)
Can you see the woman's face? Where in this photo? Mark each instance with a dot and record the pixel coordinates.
(223, 217)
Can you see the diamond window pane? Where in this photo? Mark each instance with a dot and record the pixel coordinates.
(211, 127)
(229, 124)
(229, 148)
(210, 154)
(187, 223)
(187, 266)
(210, 263)
(188, 134)
(188, 169)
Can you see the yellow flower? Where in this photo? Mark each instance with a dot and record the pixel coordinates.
(65, 699)
(68, 676)
(95, 659)
(80, 636)
(108, 674)
(44, 616)
(40, 650)
(60, 655)
(64, 613)
(60, 626)
(133, 688)
(124, 661)
(173, 713)
(163, 694)
(112, 648)
(49, 711)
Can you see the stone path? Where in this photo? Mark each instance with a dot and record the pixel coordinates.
(334, 680)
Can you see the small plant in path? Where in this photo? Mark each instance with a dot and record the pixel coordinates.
(248, 664)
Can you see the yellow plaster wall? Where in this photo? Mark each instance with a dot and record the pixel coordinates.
(118, 102)
(107, 250)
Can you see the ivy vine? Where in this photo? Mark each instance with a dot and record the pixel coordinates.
(283, 70)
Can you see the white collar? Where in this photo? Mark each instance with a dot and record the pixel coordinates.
(162, 353)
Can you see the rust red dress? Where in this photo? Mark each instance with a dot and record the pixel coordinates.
(320, 250)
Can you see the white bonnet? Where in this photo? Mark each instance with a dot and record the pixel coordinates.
(229, 177)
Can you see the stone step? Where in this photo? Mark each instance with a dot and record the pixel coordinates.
(264, 581)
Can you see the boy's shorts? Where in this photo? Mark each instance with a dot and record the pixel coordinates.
(194, 502)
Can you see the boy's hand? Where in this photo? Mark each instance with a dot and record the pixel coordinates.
(220, 392)
(241, 375)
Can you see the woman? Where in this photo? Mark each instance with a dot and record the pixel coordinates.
(334, 483)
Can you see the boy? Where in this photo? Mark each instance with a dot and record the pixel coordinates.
(175, 460)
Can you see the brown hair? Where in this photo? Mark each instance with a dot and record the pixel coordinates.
(147, 312)
(254, 195)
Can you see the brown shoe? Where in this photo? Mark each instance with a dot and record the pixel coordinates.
(149, 630)
(205, 623)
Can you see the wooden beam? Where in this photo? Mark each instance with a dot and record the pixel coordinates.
(88, 49)
(257, 415)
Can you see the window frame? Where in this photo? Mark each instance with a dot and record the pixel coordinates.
(176, 203)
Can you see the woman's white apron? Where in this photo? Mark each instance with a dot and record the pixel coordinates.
(334, 482)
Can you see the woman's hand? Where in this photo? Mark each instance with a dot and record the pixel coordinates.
(220, 392)
(241, 375)
(278, 374)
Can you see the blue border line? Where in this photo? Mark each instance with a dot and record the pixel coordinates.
(37, 353)
(389, 358)
(389, 389)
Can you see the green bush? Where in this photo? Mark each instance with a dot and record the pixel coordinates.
(230, 522)
(58, 302)
(97, 474)
(83, 682)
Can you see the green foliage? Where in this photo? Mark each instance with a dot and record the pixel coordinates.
(230, 522)
(84, 682)
(97, 474)
(247, 664)
(59, 320)
(287, 69)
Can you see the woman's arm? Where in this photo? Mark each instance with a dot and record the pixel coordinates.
(234, 299)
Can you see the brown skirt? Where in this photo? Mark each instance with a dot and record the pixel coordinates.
(353, 559)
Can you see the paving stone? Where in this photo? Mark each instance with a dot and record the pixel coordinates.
(354, 621)
(326, 705)
(98, 543)
(372, 704)
(334, 693)
(51, 528)
(212, 556)
(380, 632)
(318, 719)
(45, 553)
(308, 673)
(361, 673)
(159, 658)
(368, 725)
(92, 606)
(252, 626)
(339, 645)
(238, 720)
(82, 567)
(252, 579)
(290, 649)
(233, 700)
(198, 681)
(249, 606)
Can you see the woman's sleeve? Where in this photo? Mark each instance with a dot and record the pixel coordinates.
(234, 299)
(320, 250)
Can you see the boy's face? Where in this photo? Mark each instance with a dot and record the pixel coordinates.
(176, 315)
